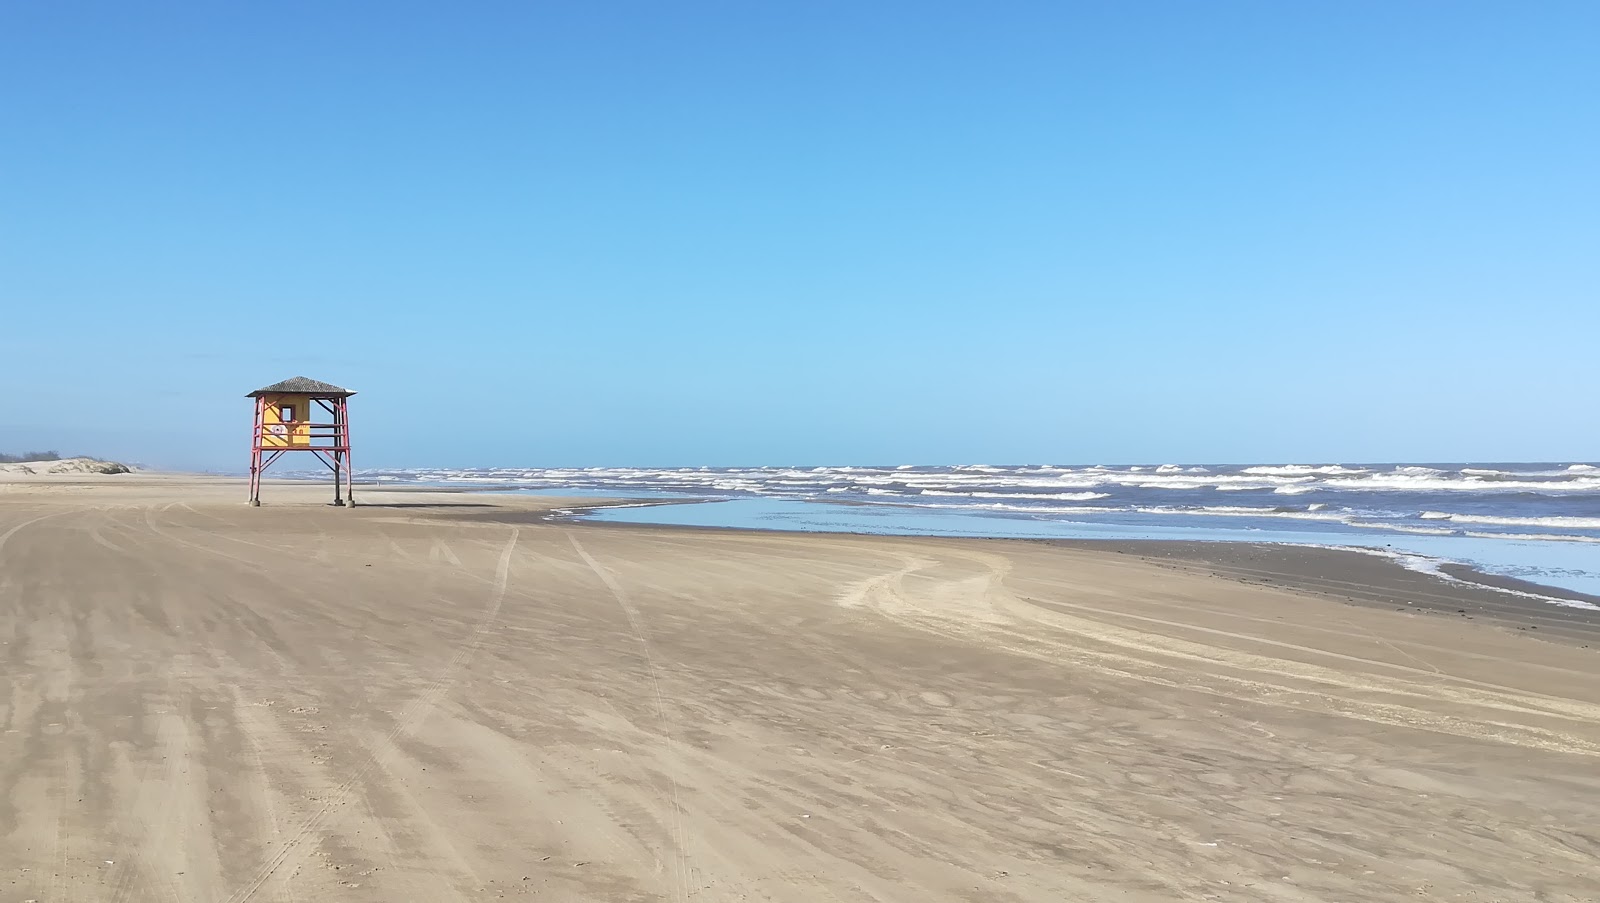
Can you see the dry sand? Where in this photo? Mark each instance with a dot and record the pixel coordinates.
(434, 699)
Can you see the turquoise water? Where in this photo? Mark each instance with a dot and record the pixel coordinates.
(1570, 565)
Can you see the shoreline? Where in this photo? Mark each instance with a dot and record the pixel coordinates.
(1462, 589)
(1351, 574)
(1480, 594)
(1446, 567)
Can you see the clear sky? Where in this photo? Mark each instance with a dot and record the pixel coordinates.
(810, 232)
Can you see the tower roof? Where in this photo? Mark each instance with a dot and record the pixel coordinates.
(300, 385)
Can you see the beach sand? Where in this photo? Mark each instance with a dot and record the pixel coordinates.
(440, 697)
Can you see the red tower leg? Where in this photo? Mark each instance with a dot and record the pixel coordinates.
(255, 453)
(349, 469)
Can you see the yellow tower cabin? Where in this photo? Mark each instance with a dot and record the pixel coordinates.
(302, 414)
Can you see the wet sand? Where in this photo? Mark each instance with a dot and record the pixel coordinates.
(1374, 580)
(447, 697)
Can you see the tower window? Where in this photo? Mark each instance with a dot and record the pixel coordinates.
(286, 413)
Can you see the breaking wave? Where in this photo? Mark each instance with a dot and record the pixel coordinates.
(1576, 523)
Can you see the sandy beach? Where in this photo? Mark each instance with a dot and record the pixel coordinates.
(441, 696)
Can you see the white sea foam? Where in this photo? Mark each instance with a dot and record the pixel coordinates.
(1403, 528)
(1575, 523)
(1421, 482)
(1301, 469)
(1052, 496)
(1027, 509)
(1531, 537)
(1246, 511)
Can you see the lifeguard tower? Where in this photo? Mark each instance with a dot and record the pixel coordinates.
(285, 422)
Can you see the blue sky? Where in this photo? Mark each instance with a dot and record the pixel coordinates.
(736, 233)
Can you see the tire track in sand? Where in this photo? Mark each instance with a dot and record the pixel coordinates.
(1158, 659)
(411, 719)
(636, 624)
(27, 523)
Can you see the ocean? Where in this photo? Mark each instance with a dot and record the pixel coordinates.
(1537, 522)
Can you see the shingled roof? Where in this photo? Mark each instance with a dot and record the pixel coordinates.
(300, 385)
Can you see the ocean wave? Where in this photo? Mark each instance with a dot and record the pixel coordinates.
(1290, 479)
(1431, 483)
(1301, 469)
(1050, 496)
(1575, 523)
(1022, 509)
(1247, 511)
(1531, 537)
(1405, 528)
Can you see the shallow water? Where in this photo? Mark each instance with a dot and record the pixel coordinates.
(1574, 566)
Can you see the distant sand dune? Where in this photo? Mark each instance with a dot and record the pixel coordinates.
(65, 466)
